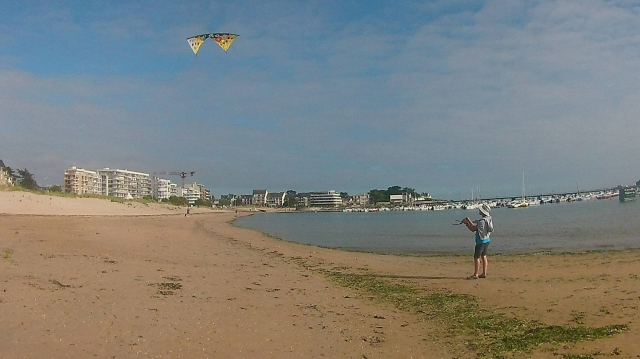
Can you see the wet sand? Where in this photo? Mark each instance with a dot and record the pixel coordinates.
(125, 282)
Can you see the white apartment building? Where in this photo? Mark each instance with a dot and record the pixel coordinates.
(275, 199)
(81, 181)
(124, 183)
(302, 200)
(5, 179)
(325, 199)
(361, 200)
(396, 199)
(205, 194)
(259, 197)
(173, 189)
(161, 188)
(405, 198)
(191, 193)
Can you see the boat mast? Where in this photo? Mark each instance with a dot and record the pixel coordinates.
(523, 186)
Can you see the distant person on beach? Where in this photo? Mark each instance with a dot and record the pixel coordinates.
(188, 211)
(483, 228)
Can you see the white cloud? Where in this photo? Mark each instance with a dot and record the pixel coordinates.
(310, 102)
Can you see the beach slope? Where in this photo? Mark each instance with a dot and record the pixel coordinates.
(124, 283)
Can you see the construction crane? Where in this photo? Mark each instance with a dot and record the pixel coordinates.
(182, 175)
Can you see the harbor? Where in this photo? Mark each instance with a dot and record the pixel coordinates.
(559, 227)
(503, 202)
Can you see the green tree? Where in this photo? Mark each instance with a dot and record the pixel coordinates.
(55, 188)
(224, 202)
(394, 190)
(178, 201)
(26, 180)
(290, 199)
(410, 191)
(202, 203)
(378, 195)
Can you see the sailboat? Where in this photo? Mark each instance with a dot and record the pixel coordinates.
(519, 203)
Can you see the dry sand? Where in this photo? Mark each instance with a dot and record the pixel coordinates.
(127, 283)
(34, 204)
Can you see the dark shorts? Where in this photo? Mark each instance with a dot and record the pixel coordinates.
(481, 250)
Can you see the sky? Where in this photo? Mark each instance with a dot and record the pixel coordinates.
(455, 98)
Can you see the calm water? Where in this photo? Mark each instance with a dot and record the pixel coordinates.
(563, 227)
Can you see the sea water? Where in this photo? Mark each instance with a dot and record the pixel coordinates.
(558, 227)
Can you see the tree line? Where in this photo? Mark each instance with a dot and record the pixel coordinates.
(24, 179)
(380, 195)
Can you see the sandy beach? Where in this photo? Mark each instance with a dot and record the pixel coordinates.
(89, 278)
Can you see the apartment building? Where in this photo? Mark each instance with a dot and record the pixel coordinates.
(234, 200)
(161, 188)
(124, 183)
(81, 181)
(400, 199)
(245, 200)
(361, 200)
(5, 179)
(191, 193)
(205, 194)
(173, 190)
(302, 199)
(325, 199)
(259, 197)
(275, 199)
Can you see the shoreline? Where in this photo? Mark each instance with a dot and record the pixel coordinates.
(198, 286)
(437, 254)
(607, 226)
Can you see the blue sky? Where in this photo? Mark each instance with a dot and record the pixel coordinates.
(442, 96)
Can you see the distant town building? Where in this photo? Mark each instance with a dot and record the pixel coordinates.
(395, 199)
(259, 197)
(245, 200)
(205, 194)
(124, 183)
(361, 200)
(81, 181)
(161, 188)
(129, 185)
(173, 190)
(302, 199)
(232, 198)
(325, 199)
(276, 199)
(190, 192)
(401, 199)
(5, 178)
